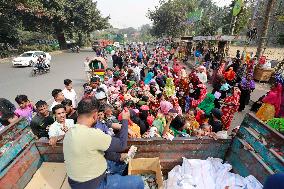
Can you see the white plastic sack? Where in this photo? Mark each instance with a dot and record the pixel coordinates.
(222, 134)
(208, 174)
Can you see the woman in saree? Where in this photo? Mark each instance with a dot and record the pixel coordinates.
(207, 105)
(217, 72)
(271, 104)
(247, 85)
(281, 111)
(230, 76)
(183, 89)
(196, 101)
(148, 78)
(231, 106)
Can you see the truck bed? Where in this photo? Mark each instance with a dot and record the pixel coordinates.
(257, 150)
(49, 176)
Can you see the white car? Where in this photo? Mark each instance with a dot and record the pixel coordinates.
(30, 58)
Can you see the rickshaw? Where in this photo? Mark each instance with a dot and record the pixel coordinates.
(98, 65)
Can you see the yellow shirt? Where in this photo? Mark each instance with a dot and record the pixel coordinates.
(83, 150)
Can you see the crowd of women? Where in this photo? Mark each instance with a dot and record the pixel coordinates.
(168, 100)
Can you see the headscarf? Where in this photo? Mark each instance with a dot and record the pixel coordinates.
(165, 107)
(221, 69)
(170, 87)
(202, 68)
(194, 79)
(176, 105)
(177, 68)
(274, 97)
(230, 74)
(130, 84)
(247, 85)
(148, 78)
(207, 105)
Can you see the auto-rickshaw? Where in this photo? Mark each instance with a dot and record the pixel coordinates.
(98, 65)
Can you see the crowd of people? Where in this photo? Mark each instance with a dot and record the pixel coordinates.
(147, 93)
(165, 99)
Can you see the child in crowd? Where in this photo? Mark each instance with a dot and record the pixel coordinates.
(25, 109)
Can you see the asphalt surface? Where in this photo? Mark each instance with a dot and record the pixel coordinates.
(67, 65)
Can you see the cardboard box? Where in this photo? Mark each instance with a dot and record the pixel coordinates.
(147, 165)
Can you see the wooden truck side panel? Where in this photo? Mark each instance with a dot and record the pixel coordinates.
(169, 152)
(257, 149)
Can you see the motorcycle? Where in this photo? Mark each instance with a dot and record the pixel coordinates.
(75, 49)
(40, 68)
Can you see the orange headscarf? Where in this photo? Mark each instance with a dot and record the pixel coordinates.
(230, 75)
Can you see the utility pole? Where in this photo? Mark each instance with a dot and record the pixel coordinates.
(263, 36)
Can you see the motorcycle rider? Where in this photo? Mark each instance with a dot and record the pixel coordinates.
(42, 64)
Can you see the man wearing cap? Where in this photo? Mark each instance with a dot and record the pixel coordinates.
(101, 96)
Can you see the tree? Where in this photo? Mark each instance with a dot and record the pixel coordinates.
(50, 16)
(264, 31)
(170, 17)
(79, 16)
(145, 33)
(14, 15)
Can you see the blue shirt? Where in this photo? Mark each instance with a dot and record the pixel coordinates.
(102, 126)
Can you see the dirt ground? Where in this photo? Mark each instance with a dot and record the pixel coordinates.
(272, 53)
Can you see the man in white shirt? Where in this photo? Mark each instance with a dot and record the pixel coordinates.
(136, 70)
(87, 68)
(69, 92)
(58, 97)
(58, 129)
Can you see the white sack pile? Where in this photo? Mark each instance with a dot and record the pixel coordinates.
(208, 174)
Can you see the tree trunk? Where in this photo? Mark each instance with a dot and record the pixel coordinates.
(80, 39)
(263, 36)
(60, 37)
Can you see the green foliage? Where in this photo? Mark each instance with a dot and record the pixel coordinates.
(281, 39)
(242, 19)
(170, 17)
(45, 48)
(57, 17)
(145, 33)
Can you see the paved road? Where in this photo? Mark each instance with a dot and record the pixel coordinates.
(16, 81)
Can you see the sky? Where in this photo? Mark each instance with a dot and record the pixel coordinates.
(132, 13)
